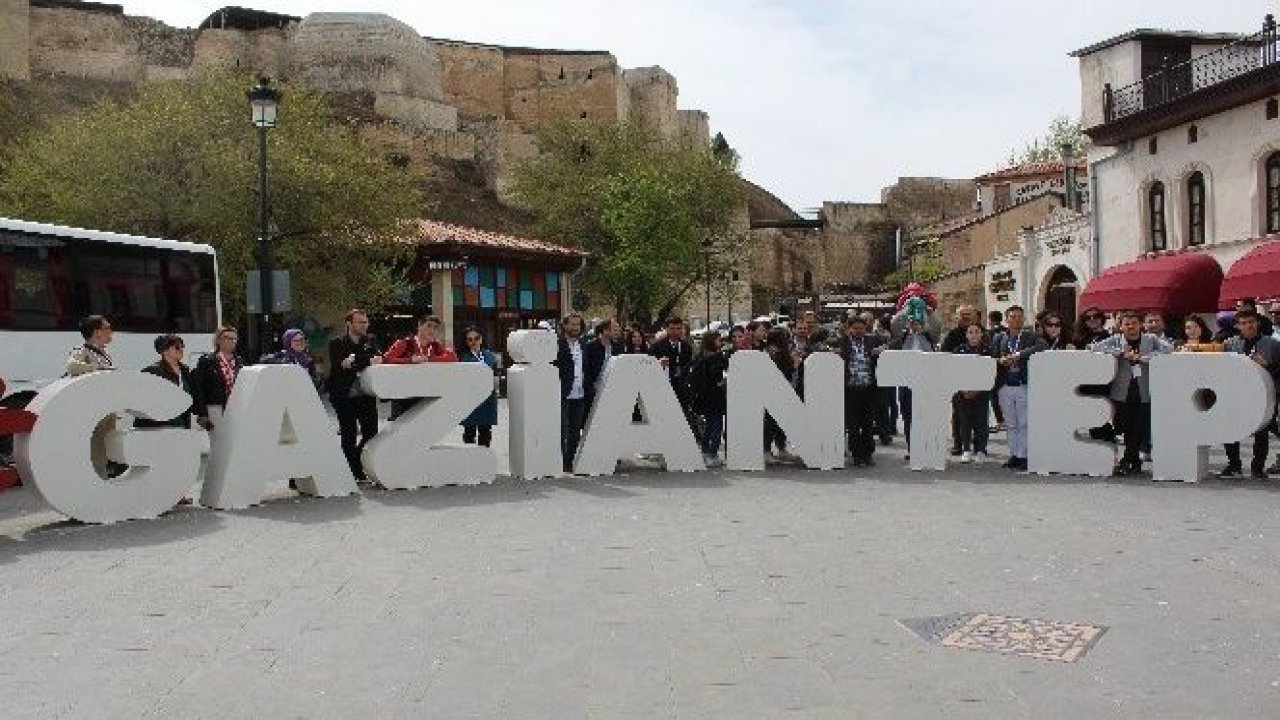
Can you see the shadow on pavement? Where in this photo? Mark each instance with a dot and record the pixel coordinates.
(305, 510)
(601, 487)
(503, 490)
(180, 524)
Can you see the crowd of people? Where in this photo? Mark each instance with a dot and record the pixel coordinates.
(698, 371)
(212, 380)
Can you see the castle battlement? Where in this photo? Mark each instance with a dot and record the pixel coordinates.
(496, 95)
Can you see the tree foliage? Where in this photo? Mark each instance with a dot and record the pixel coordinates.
(648, 210)
(923, 264)
(179, 161)
(1062, 131)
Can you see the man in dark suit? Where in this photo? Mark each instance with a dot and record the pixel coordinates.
(599, 351)
(861, 396)
(571, 361)
(676, 355)
(349, 354)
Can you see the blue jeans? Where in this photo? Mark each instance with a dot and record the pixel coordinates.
(712, 434)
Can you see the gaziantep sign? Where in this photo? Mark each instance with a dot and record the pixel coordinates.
(275, 427)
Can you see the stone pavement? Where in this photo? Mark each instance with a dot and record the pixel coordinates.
(652, 595)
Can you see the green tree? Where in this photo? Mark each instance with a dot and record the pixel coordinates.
(1062, 131)
(648, 210)
(924, 263)
(179, 160)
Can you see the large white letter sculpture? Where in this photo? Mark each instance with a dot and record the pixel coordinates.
(404, 455)
(55, 456)
(1183, 426)
(611, 435)
(274, 429)
(533, 405)
(933, 378)
(1056, 409)
(815, 426)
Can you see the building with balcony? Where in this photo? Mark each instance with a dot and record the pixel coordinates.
(1185, 160)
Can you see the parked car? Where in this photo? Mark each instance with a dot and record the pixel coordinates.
(719, 326)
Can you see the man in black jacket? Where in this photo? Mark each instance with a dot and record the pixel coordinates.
(571, 361)
(1264, 350)
(861, 396)
(598, 353)
(676, 355)
(965, 316)
(349, 354)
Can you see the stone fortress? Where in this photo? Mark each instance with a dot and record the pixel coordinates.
(437, 101)
(465, 101)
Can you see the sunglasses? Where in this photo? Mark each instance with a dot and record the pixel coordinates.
(1053, 324)
(473, 338)
(1092, 317)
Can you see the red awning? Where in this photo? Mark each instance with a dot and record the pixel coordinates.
(1176, 284)
(1256, 275)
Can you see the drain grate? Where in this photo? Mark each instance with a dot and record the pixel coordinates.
(1025, 637)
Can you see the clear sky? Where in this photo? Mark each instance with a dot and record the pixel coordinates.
(824, 99)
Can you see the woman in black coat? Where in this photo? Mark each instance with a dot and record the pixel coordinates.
(216, 373)
(171, 368)
(710, 395)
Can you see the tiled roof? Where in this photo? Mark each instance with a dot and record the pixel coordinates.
(433, 232)
(1030, 169)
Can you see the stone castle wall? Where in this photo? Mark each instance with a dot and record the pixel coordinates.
(472, 77)
(263, 51)
(652, 95)
(15, 34)
(94, 45)
(426, 85)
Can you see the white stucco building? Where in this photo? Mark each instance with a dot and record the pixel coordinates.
(1052, 263)
(1186, 147)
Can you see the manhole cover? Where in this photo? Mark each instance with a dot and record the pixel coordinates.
(1026, 637)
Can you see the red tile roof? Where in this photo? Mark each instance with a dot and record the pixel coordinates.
(433, 232)
(1031, 169)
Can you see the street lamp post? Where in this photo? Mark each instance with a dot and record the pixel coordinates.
(264, 100)
(706, 273)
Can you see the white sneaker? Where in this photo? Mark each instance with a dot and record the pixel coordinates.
(966, 457)
(981, 457)
(713, 461)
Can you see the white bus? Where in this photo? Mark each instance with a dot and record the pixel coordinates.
(52, 276)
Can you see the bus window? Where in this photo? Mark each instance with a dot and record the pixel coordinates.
(33, 285)
(122, 282)
(191, 293)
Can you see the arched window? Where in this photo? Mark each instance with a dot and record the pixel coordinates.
(1273, 193)
(1155, 208)
(1195, 209)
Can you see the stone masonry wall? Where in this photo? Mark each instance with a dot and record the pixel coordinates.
(471, 77)
(653, 93)
(695, 126)
(859, 243)
(540, 86)
(15, 40)
(262, 52)
(95, 45)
